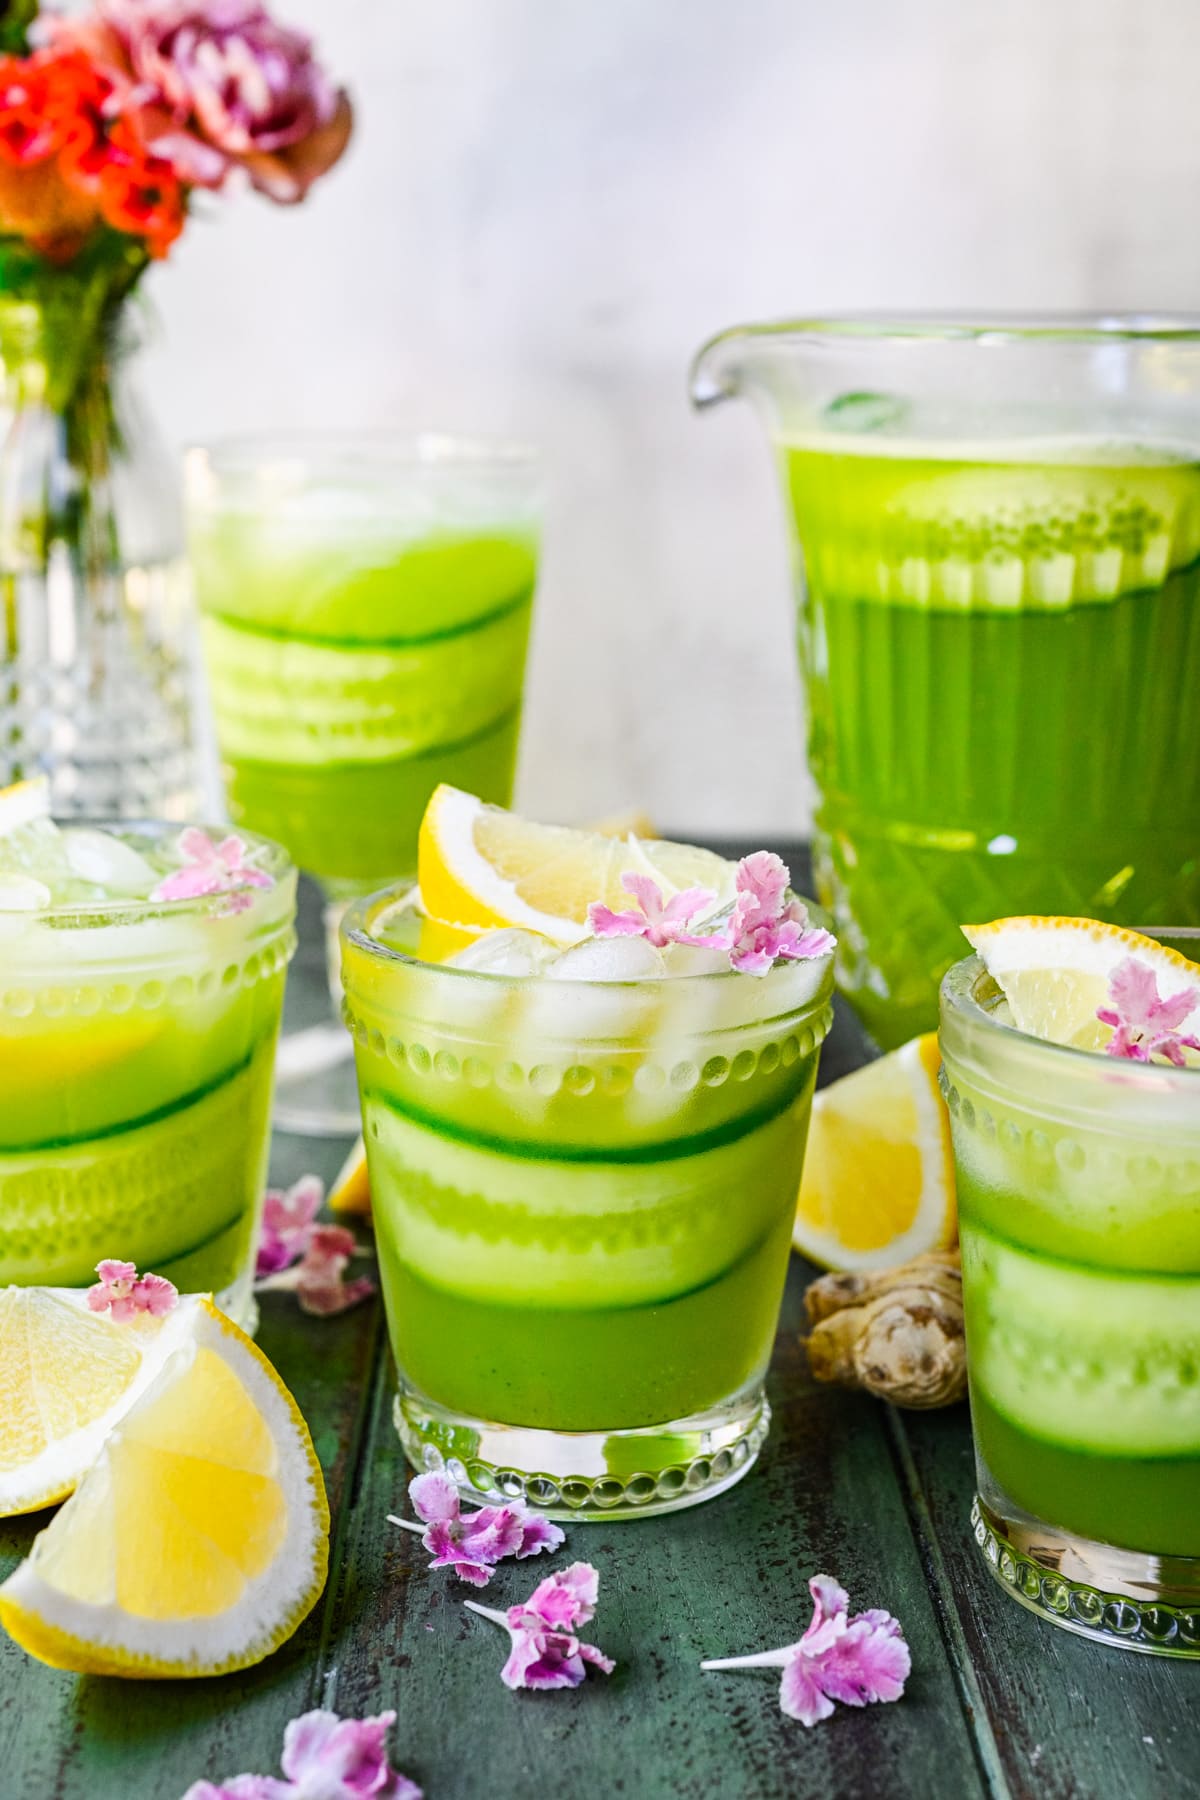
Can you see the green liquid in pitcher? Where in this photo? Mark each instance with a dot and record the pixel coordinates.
(350, 676)
(1002, 660)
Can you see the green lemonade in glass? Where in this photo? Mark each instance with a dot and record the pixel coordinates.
(137, 1041)
(355, 659)
(1079, 1202)
(584, 1174)
(1002, 652)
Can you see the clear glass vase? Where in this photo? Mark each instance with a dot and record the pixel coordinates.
(98, 667)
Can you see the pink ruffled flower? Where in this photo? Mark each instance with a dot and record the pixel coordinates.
(472, 1546)
(211, 868)
(855, 1660)
(546, 1651)
(296, 1255)
(324, 1758)
(217, 85)
(124, 1293)
(1144, 1024)
(660, 925)
(287, 1224)
(764, 924)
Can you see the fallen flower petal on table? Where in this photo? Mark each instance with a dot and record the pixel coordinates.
(298, 1255)
(288, 1220)
(124, 1293)
(546, 1653)
(324, 1758)
(855, 1660)
(474, 1544)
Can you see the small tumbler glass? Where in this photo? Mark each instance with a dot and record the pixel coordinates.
(1079, 1202)
(365, 606)
(137, 1045)
(583, 1197)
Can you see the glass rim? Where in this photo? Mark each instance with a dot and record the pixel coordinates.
(372, 449)
(355, 930)
(985, 328)
(958, 998)
(130, 909)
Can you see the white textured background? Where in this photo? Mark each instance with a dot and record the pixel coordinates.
(550, 203)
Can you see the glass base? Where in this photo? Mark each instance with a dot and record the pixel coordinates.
(1123, 1598)
(583, 1475)
(316, 1093)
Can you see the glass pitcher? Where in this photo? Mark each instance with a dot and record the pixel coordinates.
(996, 540)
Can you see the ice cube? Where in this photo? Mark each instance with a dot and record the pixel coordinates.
(608, 959)
(694, 959)
(867, 412)
(22, 894)
(510, 952)
(99, 857)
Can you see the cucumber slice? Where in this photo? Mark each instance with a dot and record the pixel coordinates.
(1082, 1357)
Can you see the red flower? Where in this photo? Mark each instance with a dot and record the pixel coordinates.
(139, 193)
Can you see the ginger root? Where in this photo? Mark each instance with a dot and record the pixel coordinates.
(898, 1333)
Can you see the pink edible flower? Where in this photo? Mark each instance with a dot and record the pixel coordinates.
(660, 925)
(296, 1255)
(324, 1758)
(287, 1223)
(764, 925)
(124, 1293)
(472, 1546)
(546, 1653)
(1144, 1024)
(211, 868)
(855, 1660)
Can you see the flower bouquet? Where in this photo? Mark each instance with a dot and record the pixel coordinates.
(112, 121)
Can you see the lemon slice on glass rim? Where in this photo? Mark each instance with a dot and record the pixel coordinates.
(1055, 973)
(481, 868)
(198, 1539)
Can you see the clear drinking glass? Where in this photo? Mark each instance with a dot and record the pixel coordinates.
(583, 1196)
(366, 606)
(997, 559)
(137, 1047)
(1079, 1207)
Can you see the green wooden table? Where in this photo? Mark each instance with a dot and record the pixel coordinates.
(998, 1704)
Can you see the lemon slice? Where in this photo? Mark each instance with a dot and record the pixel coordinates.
(24, 802)
(351, 1190)
(199, 1538)
(878, 1181)
(1054, 973)
(66, 1377)
(481, 868)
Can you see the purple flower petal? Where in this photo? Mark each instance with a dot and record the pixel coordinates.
(434, 1497)
(801, 1695)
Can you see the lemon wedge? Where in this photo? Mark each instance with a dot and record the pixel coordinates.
(351, 1190)
(1054, 973)
(198, 1539)
(481, 868)
(878, 1181)
(66, 1377)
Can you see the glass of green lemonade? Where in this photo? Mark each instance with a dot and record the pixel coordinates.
(137, 1044)
(1079, 1204)
(996, 546)
(365, 607)
(584, 1183)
